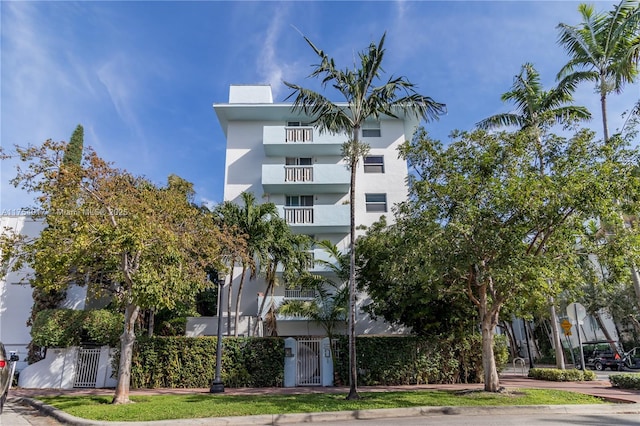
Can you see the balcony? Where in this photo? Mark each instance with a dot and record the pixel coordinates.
(283, 141)
(314, 267)
(317, 219)
(298, 180)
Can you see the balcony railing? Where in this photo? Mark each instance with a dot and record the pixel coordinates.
(298, 293)
(299, 134)
(298, 173)
(298, 215)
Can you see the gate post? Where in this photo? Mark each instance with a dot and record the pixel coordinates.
(290, 362)
(326, 362)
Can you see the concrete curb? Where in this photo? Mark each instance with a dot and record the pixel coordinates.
(283, 419)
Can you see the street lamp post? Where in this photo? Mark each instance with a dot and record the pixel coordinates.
(217, 386)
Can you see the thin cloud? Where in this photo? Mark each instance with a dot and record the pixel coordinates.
(270, 67)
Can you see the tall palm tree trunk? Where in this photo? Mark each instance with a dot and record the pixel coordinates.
(353, 371)
(603, 107)
(238, 299)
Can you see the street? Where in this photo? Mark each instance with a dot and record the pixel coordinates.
(22, 415)
(498, 420)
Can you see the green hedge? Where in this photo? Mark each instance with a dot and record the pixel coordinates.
(62, 328)
(556, 375)
(405, 360)
(625, 381)
(183, 362)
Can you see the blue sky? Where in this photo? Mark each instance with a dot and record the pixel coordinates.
(141, 76)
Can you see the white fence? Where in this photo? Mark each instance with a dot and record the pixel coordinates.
(70, 367)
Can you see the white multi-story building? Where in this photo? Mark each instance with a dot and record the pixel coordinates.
(277, 155)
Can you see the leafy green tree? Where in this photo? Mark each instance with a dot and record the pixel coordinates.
(603, 49)
(498, 231)
(150, 244)
(364, 101)
(406, 291)
(536, 111)
(251, 221)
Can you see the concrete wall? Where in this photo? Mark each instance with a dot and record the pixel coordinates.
(16, 297)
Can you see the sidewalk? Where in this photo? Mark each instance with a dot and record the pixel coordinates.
(627, 401)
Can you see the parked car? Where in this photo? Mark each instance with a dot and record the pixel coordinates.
(5, 375)
(599, 355)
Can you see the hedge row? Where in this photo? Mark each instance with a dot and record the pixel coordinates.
(557, 375)
(625, 381)
(417, 360)
(182, 362)
(62, 328)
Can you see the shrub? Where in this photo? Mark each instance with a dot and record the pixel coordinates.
(404, 360)
(62, 328)
(556, 375)
(188, 362)
(625, 381)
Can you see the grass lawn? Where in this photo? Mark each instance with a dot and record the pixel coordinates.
(164, 407)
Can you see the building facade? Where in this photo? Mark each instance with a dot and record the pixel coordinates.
(280, 157)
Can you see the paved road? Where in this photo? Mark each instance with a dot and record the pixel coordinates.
(497, 420)
(21, 415)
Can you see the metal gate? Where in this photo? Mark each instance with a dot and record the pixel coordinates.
(309, 362)
(86, 368)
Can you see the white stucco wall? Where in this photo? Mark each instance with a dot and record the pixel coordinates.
(16, 297)
(16, 293)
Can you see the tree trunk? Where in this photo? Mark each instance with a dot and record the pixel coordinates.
(491, 379)
(556, 335)
(261, 308)
(603, 106)
(606, 333)
(635, 278)
(238, 299)
(353, 371)
(127, 340)
(229, 295)
(513, 347)
(152, 321)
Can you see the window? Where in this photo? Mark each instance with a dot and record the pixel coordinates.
(374, 164)
(299, 201)
(371, 129)
(376, 203)
(298, 161)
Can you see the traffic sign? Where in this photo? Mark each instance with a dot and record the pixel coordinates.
(566, 326)
(576, 312)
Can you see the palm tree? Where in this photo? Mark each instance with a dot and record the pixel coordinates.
(330, 305)
(364, 101)
(285, 249)
(536, 109)
(251, 220)
(604, 49)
